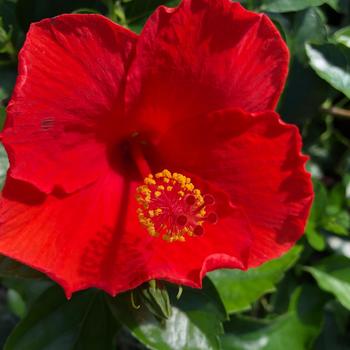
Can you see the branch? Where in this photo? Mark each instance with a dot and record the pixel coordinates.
(337, 112)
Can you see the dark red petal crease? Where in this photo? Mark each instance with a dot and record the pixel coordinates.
(257, 160)
(99, 242)
(203, 56)
(67, 99)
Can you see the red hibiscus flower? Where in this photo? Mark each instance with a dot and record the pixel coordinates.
(148, 157)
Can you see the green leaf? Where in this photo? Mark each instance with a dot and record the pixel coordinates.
(336, 199)
(137, 12)
(12, 268)
(239, 289)
(328, 213)
(2, 116)
(85, 11)
(139, 9)
(318, 210)
(4, 164)
(308, 25)
(34, 10)
(7, 323)
(54, 323)
(28, 289)
(289, 5)
(7, 82)
(308, 89)
(334, 334)
(5, 37)
(284, 332)
(297, 329)
(16, 303)
(338, 223)
(333, 275)
(195, 322)
(332, 63)
(339, 5)
(342, 36)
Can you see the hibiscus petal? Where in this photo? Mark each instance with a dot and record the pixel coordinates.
(66, 100)
(203, 56)
(92, 238)
(257, 160)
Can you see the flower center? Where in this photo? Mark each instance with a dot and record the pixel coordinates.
(171, 207)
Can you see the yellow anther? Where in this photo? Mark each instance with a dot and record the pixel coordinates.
(167, 173)
(142, 188)
(169, 188)
(152, 231)
(158, 211)
(189, 187)
(160, 188)
(157, 194)
(181, 193)
(146, 191)
(166, 180)
(149, 181)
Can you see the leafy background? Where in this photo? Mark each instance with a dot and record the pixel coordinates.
(300, 301)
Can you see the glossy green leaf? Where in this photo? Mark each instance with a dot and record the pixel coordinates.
(34, 10)
(54, 323)
(333, 275)
(313, 234)
(28, 289)
(284, 332)
(16, 303)
(328, 213)
(4, 164)
(195, 322)
(7, 323)
(137, 12)
(297, 329)
(7, 81)
(332, 63)
(5, 37)
(289, 5)
(12, 268)
(239, 289)
(137, 9)
(308, 25)
(341, 6)
(304, 94)
(334, 334)
(336, 199)
(2, 116)
(342, 36)
(8, 14)
(339, 223)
